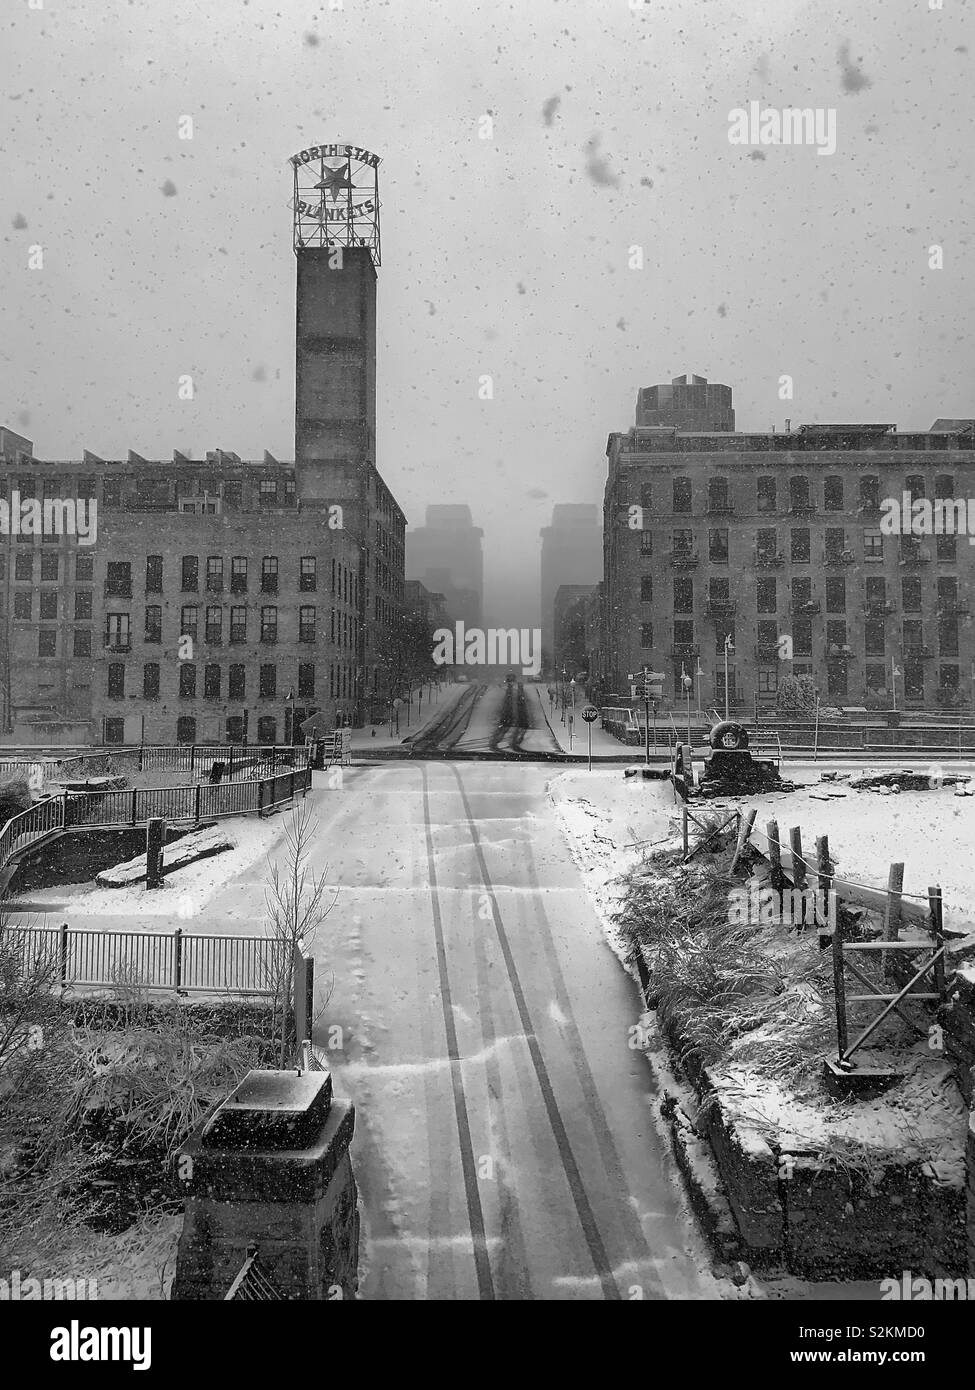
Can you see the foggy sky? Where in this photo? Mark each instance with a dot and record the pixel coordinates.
(506, 257)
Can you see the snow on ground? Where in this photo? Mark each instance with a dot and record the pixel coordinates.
(931, 832)
(253, 838)
(609, 821)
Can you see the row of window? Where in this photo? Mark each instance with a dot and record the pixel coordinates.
(232, 684)
(271, 492)
(235, 728)
(802, 493)
(875, 683)
(50, 567)
(767, 552)
(768, 595)
(800, 636)
(118, 581)
(118, 626)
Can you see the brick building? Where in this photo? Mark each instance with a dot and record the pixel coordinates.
(774, 542)
(216, 605)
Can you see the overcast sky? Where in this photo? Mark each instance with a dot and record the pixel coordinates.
(508, 256)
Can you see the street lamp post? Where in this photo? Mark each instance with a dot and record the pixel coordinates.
(728, 647)
(291, 720)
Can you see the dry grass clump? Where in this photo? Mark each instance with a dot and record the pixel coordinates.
(721, 994)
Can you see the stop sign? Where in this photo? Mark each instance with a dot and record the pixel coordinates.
(590, 713)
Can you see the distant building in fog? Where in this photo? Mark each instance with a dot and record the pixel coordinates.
(695, 404)
(569, 640)
(571, 554)
(446, 557)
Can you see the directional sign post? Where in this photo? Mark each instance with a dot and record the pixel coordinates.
(651, 690)
(590, 714)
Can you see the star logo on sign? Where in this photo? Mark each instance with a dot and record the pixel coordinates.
(334, 180)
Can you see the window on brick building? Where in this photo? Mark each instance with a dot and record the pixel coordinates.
(836, 595)
(118, 579)
(186, 729)
(306, 680)
(238, 574)
(187, 681)
(153, 622)
(23, 602)
(214, 624)
(114, 730)
(24, 566)
(82, 642)
(269, 624)
(718, 545)
(215, 574)
(49, 605)
(911, 594)
(50, 569)
(268, 682)
(766, 600)
(833, 493)
(84, 568)
(682, 495)
(308, 574)
(150, 680)
(236, 682)
(646, 588)
(211, 682)
(238, 624)
(683, 594)
(799, 545)
(116, 680)
(873, 547)
(646, 635)
(154, 574)
(269, 574)
(47, 642)
(190, 573)
(765, 499)
(189, 618)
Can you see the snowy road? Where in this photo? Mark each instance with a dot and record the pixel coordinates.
(505, 1146)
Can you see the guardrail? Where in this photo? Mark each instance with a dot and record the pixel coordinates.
(184, 757)
(96, 809)
(177, 961)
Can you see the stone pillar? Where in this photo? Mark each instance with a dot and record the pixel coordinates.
(271, 1168)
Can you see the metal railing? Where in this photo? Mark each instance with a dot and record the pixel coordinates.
(177, 961)
(88, 810)
(182, 757)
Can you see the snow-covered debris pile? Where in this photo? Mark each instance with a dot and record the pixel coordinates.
(199, 844)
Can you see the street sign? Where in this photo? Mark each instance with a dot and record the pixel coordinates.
(590, 713)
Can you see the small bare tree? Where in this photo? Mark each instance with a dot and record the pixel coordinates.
(297, 902)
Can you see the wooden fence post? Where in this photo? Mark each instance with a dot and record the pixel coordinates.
(824, 882)
(64, 954)
(774, 854)
(798, 863)
(196, 807)
(260, 798)
(134, 795)
(684, 827)
(155, 837)
(192, 757)
(892, 912)
(937, 923)
(745, 825)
